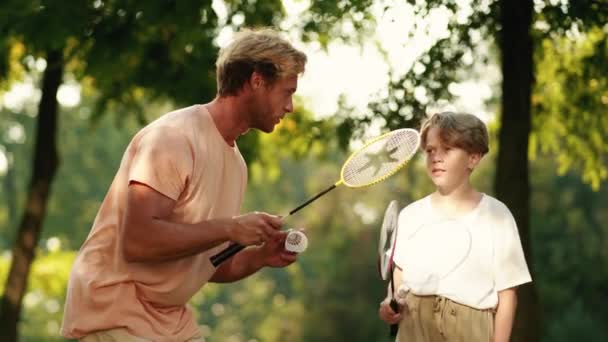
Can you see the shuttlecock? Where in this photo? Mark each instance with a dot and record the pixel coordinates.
(296, 241)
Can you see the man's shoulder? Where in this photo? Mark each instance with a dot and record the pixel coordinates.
(181, 117)
(171, 125)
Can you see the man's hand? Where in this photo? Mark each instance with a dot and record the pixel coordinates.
(255, 228)
(274, 254)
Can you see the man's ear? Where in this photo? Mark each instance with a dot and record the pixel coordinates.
(256, 80)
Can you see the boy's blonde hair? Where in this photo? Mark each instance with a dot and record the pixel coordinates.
(263, 51)
(460, 130)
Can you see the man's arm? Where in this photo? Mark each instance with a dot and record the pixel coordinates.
(241, 265)
(147, 235)
(253, 258)
(503, 321)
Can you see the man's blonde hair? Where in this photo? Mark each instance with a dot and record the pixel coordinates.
(263, 51)
(460, 130)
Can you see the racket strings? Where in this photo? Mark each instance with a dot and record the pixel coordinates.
(386, 243)
(381, 158)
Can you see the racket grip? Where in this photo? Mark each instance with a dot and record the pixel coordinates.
(225, 254)
(394, 327)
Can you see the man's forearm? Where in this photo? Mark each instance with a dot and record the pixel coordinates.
(165, 241)
(241, 265)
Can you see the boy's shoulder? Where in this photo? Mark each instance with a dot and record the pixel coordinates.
(494, 205)
(416, 206)
(496, 213)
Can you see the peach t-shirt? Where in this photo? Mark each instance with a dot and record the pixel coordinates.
(183, 156)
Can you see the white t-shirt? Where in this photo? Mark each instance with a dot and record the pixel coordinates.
(468, 259)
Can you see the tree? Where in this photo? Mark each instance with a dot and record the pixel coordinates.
(512, 184)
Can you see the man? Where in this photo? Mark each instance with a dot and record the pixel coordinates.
(173, 204)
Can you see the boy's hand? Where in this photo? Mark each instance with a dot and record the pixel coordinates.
(388, 315)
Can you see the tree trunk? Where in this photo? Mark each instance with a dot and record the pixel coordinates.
(10, 188)
(45, 165)
(512, 182)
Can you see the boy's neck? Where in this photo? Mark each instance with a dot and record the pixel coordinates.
(457, 201)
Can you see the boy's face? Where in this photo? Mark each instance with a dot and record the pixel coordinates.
(447, 166)
(272, 102)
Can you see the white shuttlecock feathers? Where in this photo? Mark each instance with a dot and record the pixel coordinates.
(296, 241)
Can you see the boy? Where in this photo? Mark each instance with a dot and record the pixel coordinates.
(459, 257)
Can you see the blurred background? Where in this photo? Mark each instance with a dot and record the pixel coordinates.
(79, 78)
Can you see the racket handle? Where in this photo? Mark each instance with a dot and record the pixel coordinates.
(225, 254)
(394, 327)
(232, 250)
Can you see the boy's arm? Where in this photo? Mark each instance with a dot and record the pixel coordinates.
(386, 312)
(503, 321)
(397, 280)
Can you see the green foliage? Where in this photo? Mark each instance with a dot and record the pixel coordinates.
(325, 21)
(569, 95)
(570, 249)
(570, 99)
(299, 135)
(43, 303)
(433, 71)
(561, 16)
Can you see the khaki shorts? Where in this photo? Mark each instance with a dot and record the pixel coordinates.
(121, 335)
(438, 319)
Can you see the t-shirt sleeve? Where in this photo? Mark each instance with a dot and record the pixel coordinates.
(510, 267)
(162, 160)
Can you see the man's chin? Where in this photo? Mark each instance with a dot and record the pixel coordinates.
(266, 129)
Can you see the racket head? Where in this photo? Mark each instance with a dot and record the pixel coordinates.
(387, 239)
(380, 158)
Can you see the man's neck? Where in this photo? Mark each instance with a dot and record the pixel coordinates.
(230, 117)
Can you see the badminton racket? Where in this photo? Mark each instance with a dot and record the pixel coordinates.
(386, 251)
(376, 161)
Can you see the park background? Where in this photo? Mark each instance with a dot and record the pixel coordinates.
(79, 78)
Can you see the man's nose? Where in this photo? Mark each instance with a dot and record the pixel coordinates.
(289, 106)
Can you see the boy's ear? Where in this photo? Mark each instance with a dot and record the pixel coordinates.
(474, 159)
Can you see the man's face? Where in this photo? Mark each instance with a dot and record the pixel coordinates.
(272, 102)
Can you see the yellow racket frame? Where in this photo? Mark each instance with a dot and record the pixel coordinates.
(379, 179)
